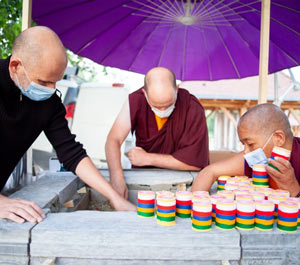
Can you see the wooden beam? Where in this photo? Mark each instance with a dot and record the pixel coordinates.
(264, 50)
(295, 115)
(229, 116)
(211, 112)
(26, 14)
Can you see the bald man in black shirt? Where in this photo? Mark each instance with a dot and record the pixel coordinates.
(28, 106)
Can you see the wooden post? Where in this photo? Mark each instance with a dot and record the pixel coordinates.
(26, 14)
(229, 116)
(264, 51)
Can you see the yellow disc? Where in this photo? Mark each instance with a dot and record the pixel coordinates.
(245, 221)
(201, 223)
(145, 210)
(264, 222)
(185, 211)
(225, 222)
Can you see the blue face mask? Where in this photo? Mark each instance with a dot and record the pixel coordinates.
(35, 91)
(257, 156)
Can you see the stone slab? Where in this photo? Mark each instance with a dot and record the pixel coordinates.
(152, 177)
(270, 247)
(123, 236)
(14, 260)
(70, 261)
(49, 189)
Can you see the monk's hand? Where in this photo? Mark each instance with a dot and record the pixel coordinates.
(138, 156)
(119, 185)
(285, 178)
(19, 210)
(120, 204)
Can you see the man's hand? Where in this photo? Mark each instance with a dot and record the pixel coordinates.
(285, 178)
(119, 185)
(120, 204)
(19, 210)
(138, 157)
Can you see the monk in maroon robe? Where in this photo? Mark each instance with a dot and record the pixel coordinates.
(263, 126)
(170, 128)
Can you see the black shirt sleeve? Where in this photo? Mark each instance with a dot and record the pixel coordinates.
(69, 152)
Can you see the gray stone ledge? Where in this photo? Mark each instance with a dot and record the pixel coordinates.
(93, 235)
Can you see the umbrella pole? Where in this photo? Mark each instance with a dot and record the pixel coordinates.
(26, 23)
(264, 51)
(26, 14)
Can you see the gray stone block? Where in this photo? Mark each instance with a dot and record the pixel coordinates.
(70, 261)
(49, 189)
(143, 178)
(14, 260)
(123, 236)
(270, 247)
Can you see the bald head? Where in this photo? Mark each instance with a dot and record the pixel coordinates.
(160, 86)
(37, 45)
(264, 119)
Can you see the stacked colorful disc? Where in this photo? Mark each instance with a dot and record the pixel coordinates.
(256, 195)
(222, 181)
(287, 216)
(267, 191)
(165, 210)
(201, 219)
(276, 199)
(245, 214)
(226, 193)
(231, 186)
(283, 193)
(197, 197)
(264, 215)
(145, 203)
(244, 197)
(279, 152)
(183, 204)
(260, 176)
(296, 200)
(214, 199)
(225, 214)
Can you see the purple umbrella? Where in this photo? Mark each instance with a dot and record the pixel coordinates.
(197, 39)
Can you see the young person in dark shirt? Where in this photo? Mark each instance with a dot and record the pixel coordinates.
(28, 106)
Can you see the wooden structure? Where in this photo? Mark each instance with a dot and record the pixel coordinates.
(234, 97)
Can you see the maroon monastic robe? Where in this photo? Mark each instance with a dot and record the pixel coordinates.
(184, 135)
(294, 160)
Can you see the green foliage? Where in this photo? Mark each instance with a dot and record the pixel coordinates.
(10, 24)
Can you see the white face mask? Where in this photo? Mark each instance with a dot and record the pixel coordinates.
(162, 113)
(257, 156)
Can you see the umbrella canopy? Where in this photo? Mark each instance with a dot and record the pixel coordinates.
(197, 39)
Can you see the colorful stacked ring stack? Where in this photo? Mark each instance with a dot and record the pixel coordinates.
(276, 199)
(245, 214)
(244, 197)
(264, 215)
(279, 152)
(260, 176)
(183, 204)
(145, 203)
(225, 214)
(296, 200)
(256, 195)
(287, 216)
(231, 186)
(165, 210)
(283, 193)
(266, 191)
(197, 197)
(226, 193)
(214, 199)
(201, 219)
(222, 181)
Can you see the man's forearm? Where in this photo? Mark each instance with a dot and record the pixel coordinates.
(89, 174)
(168, 161)
(204, 180)
(113, 157)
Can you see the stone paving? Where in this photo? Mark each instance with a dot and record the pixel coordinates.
(93, 237)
